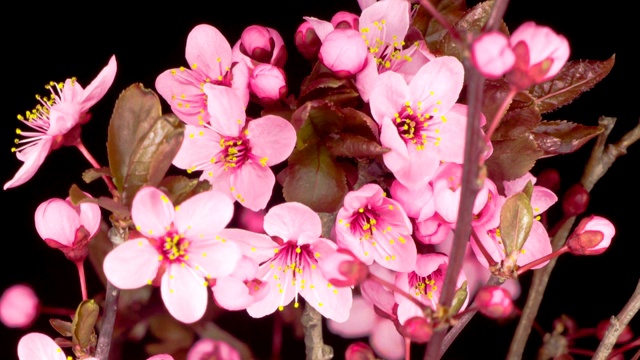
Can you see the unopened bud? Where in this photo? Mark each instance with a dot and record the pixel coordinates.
(575, 201)
(342, 268)
(494, 302)
(359, 351)
(344, 52)
(417, 329)
(625, 335)
(550, 179)
(307, 41)
(256, 42)
(18, 306)
(592, 236)
(345, 20)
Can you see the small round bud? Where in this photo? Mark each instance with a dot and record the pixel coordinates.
(592, 236)
(256, 42)
(342, 268)
(307, 41)
(575, 200)
(494, 302)
(18, 306)
(345, 20)
(344, 52)
(417, 329)
(359, 351)
(550, 179)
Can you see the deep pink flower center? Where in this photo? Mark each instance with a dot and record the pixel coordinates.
(235, 151)
(412, 126)
(364, 223)
(293, 258)
(174, 247)
(426, 285)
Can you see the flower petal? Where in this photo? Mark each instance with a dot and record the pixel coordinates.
(32, 157)
(99, 86)
(216, 258)
(208, 51)
(253, 185)
(132, 264)
(226, 110)
(184, 293)
(57, 220)
(39, 346)
(152, 211)
(289, 220)
(271, 137)
(203, 215)
(259, 247)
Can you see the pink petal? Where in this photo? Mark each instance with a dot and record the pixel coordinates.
(152, 211)
(291, 219)
(203, 215)
(388, 96)
(90, 217)
(451, 145)
(184, 293)
(226, 110)
(208, 51)
(395, 14)
(367, 78)
(271, 137)
(277, 295)
(231, 293)
(412, 199)
(321, 27)
(253, 185)
(361, 320)
(159, 357)
(216, 258)
(63, 117)
(199, 149)
(220, 179)
(330, 301)
(386, 341)
(542, 199)
(99, 86)
(492, 54)
(537, 245)
(241, 75)
(18, 306)
(180, 87)
(37, 346)
(205, 348)
(57, 220)
(259, 247)
(132, 264)
(32, 157)
(437, 85)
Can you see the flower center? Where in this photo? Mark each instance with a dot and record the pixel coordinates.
(235, 151)
(412, 125)
(364, 223)
(174, 247)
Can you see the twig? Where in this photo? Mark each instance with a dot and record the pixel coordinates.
(601, 159)
(314, 345)
(618, 324)
(108, 320)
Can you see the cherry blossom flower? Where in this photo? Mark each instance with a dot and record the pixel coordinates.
(289, 258)
(260, 45)
(240, 289)
(234, 154)
(376, 228)
(18, 306)
(210, 62)
(68, 227)
(420, 121)
(179, 245)
(56, 120)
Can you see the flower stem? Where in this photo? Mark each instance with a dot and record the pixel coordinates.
(108, 321)
(83, 281)
(96, 165)
(482, 249)
(407, 349)
(539, 261)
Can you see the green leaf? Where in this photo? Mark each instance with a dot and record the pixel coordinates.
(314, 120)
(180, 188)
(93, 173)
(459, 298)
(354, 146)
(314, 179)
(84, 323)
(562, 137)
(575, 78)
(142, 142)
(64, 328)
(516, 219)
(511, 159)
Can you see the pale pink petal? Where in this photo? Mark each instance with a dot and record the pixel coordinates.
(412, 199)
(63, 117)
(451, 145)
(207, 348)
(181, 87)
(537, 245)
(492, 54)
(344, 52)
(259, 247)
(37, 346)
(516, 185)
(241, 75)
(386, 341)
(276, 297)
(203, 215)
(271, 137)
(215, 258)
(159, 357)
(437, 85)
(99, 86)
(388, 96)
(361, 320)
(220, 179)
(132, 264)
(253, 185)
(208, 51)
(199, 149)
(90, 217)
(330, 301)
(18, 306)
(152, 211)
(290, 220)
(184, 293)
(543, 43)
(321, 27)
(394, 13)
(608, 230)
(57, 220)
(367, 78)
(32, 157)
(226, 110)
(232, 293)
(542, 199)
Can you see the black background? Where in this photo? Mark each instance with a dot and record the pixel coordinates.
(53, 43)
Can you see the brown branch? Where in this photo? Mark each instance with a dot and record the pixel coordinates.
(602, 157)
(314, 345)
(618, 324)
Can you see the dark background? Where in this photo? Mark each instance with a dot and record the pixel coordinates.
(52, 44)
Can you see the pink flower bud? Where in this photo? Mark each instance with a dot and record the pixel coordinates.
(494, 302)
(344, 52)
(625, 335)
(18, 306)
(575, 200)
(307, 41)
(540, 54)
(256, 42)
(418, 329)
(359, 351)
(345, 20)
(492, 55)
(268, 83)
(592, 236)
(342, 268)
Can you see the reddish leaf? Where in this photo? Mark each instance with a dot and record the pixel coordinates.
(180, 188)
(354, 146)
(358, 123)
(562, 137)
(511, 159)
(77, 196)
(323, 85)
(575, 78)
(517, 123)
(314, 179)
(432, 31)
(93, 173)
(314, 120)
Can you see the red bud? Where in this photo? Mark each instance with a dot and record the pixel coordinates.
(494, 302)
(359, 351)
(575, 201)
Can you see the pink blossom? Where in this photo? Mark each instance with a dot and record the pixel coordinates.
(376, 228)
(240, 289)
(260, 45)
(424, 284)
(212, 349)
(289, 258)
(68, 227)
(342, 268)
(492, 55)
(39, 346)
(344, 52)
(209, 56)
(420, 121)
(56, 120)
(268, 83)
(179, 245)
(601, 231)
(18, 306)
(234, 154)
